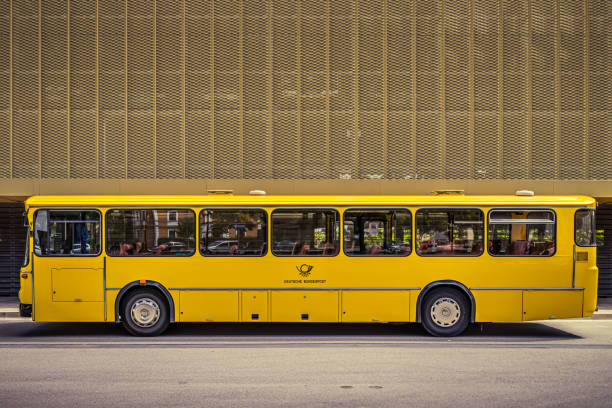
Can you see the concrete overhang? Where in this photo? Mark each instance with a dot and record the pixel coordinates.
(12, 190)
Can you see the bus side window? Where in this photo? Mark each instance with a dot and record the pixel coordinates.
(236, 232)
(521, 233)
(66, 232)
(449, 232)
(150, 232)
(377, 232)
(305, 232)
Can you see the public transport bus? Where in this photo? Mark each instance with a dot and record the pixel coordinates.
(444, 261)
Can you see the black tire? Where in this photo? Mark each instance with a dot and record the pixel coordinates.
(445, 312)
(145, 313)
(25, 310)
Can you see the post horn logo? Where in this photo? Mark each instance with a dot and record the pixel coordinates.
(304, 270)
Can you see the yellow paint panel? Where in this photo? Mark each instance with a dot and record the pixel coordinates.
(498, 305)
(25, 291)
(176, 299)
(547, 304)
(111, 296)
(77, 284)
(71, 312)
(375, 306)
(587, 276)
(414, 295)
(290, 306)
(254, 306)
(209, 305)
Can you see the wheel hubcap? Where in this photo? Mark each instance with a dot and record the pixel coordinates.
(445, 312)
(145, 312)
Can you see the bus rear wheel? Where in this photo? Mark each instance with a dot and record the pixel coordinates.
(145, 313)
(445, 312)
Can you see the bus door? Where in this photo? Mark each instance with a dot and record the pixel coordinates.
(525, 242)
(585, 271)
(68, 269)
(305, 243)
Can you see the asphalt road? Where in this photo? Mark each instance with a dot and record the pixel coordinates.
(558, 363)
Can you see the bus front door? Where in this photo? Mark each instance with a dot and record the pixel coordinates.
(68, 267)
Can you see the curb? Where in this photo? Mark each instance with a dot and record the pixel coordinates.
(9, 314)
(602, 316)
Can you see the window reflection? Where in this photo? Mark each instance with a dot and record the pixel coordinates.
(377, 232)
(233, 232)
(305, 232)
(521, 233)
(449, 232)
(150, 232)
(67, 232)
(585, 228)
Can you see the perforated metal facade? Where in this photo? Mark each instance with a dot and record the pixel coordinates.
(311, 90)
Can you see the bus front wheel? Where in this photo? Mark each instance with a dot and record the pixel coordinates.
(445, 312)
(145, 313)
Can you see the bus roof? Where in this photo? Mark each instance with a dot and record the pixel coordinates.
(224, 200)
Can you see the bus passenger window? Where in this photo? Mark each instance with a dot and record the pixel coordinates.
(233, 232)
(521, 233)
(377, 232)
(150, 232)
(449, 232)
(585, 228)
(67, 232)
(305, 232)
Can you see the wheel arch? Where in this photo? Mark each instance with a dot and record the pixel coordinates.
(132, 286)
(448, 284)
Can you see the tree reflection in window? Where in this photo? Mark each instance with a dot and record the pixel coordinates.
(233, 232)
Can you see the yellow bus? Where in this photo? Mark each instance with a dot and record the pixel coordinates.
(444, 261)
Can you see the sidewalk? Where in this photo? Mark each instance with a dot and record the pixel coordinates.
(9, 307)
(604, 309)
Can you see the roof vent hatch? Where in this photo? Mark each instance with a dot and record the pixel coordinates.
(448, 192)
